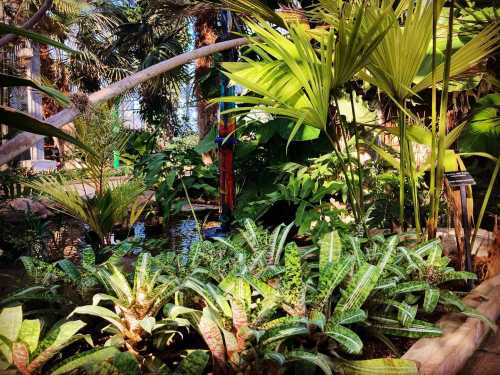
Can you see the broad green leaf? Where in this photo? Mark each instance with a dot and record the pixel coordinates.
(331, 277)
(30, 333)
(193, 364)
(349, 317)
(349, 341)
(407, 287)
(431, 299)
(79, 360)
(416, 330)
(330, 249)
(388, 251)
(61, 334)
(359, 288)
(100, 312)
(406, 313)
(11, 319)
(293, 287)
(448, 298)
(148, 324)
(320, 360)
(238, 287)
(283, 332)
(380, 366)
(126, 364)
(457, 275)
(70, 269)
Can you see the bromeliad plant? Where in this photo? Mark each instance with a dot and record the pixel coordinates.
(380, 288)
(135, 306)
(23, 348)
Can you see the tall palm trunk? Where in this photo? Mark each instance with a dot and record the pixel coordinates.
(206, 34)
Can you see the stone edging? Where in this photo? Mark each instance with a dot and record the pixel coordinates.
(447, 354)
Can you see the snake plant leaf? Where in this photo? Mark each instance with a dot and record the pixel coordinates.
(7, 80)
(379, 366)
(431, 299)
(407, 287)
(321, 361)
(79, 360)
(330, 249)
(331, 276)
(10, 29)
(30, 333)
(349, 317)
(416, 329)
(11, 320)
(57, 339)
(359, 288)
(193, 364)
(22, 121)
(348, 340)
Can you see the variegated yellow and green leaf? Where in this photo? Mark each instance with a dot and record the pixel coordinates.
(359, 288)
(348, 340)
(431, 299)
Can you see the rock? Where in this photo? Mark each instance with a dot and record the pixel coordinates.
(27, 205)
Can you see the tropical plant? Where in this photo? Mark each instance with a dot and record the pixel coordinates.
(22, 346)
(20, 120)
(179, 165)
(109, 203)
(406, 78)
(136, 306)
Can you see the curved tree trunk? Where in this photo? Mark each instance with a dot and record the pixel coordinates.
(24, 141)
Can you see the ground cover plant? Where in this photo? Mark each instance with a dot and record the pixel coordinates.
(347, 115)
